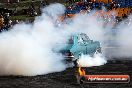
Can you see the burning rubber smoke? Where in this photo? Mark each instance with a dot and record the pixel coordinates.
(87, 61)
(27, 49)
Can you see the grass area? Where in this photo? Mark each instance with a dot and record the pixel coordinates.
(22, 17)
(20, 5)
(24, 4)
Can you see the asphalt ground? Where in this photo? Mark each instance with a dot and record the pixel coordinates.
(67, 78)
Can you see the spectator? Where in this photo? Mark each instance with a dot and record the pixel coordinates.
(15, 22)
(8, 25)
(42, 4)
(1, 23)
(6, 18)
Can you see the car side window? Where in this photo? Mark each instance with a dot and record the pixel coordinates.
(83, 39)
(80, 40)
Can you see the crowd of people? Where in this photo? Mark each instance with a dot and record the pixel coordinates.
(110, 13)
(6, 23)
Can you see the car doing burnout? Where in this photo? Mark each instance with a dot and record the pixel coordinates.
(80, 44)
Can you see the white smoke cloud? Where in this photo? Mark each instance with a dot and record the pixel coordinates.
(88, 61)
(119, 42)
(28, 49)
(88, 24)
(124, 38)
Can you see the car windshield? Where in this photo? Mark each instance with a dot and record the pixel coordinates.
(84, 37)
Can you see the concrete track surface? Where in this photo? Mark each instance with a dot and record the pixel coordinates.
(67, 79)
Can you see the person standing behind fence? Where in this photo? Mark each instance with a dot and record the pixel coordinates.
(6, 18)
(1, 22)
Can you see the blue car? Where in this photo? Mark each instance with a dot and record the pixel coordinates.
(80, 44)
